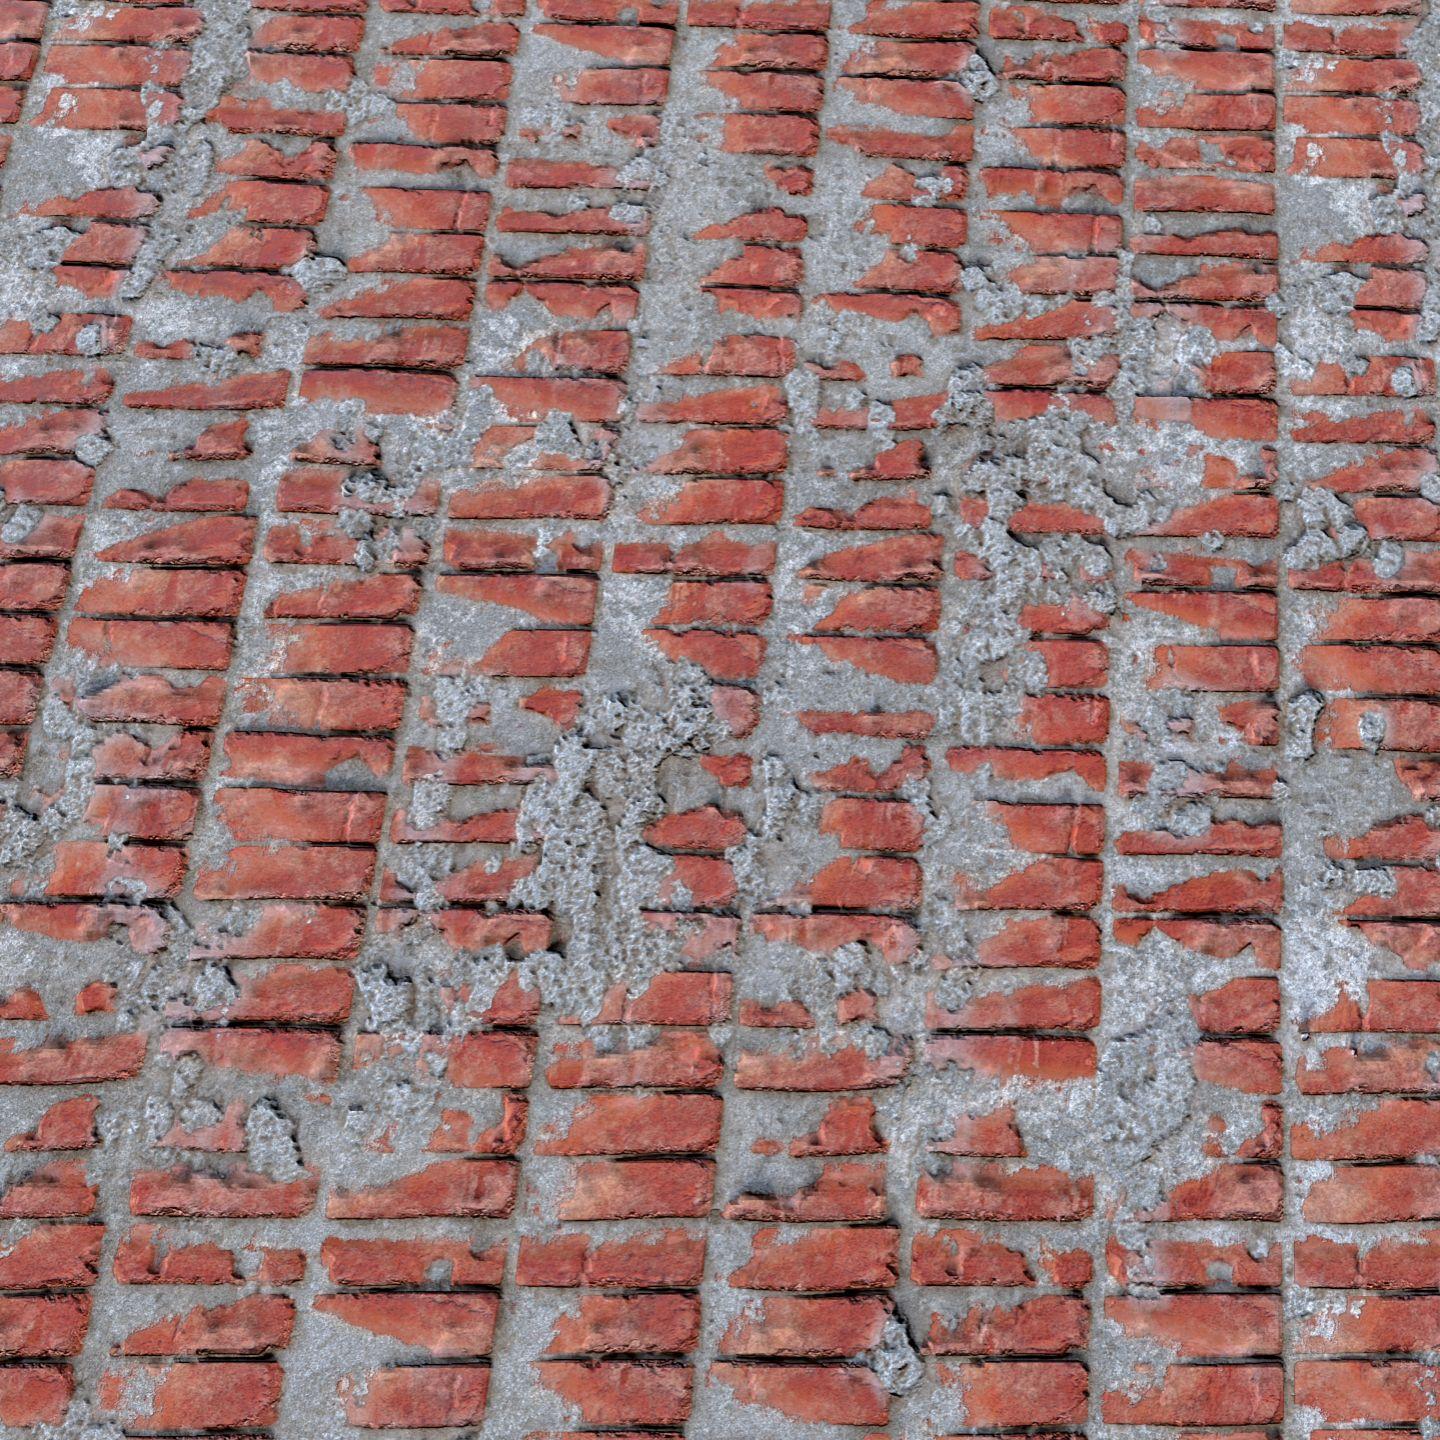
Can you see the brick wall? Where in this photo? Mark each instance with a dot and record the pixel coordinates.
(719, 718)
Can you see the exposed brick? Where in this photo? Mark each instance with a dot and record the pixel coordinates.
(719, 719)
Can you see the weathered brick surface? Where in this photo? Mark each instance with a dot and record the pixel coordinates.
(719, 718)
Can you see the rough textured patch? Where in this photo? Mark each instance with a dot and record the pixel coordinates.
(719, 718)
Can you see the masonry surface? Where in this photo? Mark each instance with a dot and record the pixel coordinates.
(719, 719)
